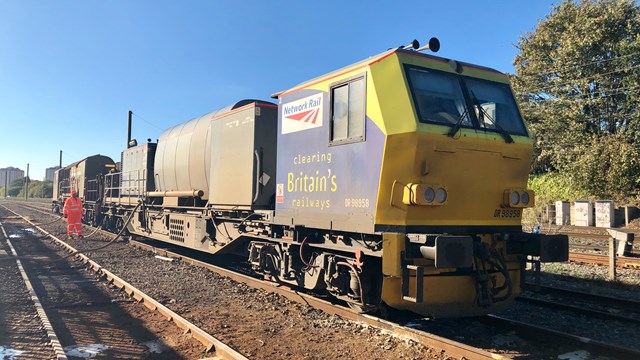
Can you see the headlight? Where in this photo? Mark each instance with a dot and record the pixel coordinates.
(441, 195)
(425, 194)
(429, 195)
(518, 198)
(515, 198)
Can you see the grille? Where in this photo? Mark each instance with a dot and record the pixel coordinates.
(176, 230)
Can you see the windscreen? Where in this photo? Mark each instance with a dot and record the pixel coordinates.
(459, 101)
(498, 106)
(438, 97)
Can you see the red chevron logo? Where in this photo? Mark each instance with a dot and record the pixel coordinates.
(305, 116)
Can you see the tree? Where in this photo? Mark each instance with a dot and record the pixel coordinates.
(577, 79)
(16, 187)
(40, 189)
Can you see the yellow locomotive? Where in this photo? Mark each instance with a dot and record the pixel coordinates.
(399, 180)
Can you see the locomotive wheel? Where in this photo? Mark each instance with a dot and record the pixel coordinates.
(362, 309)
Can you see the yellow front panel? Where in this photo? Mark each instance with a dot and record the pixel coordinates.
(475, 171)
(442, 295)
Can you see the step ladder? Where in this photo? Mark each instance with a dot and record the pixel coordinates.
(406, 278)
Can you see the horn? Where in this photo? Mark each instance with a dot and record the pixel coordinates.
(414, 45)
(433, 45)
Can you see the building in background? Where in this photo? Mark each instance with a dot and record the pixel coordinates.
(48, 176)
(8, 174)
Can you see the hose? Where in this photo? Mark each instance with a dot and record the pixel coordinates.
(54, 221)
(124, 227)
(307, 264)
(97, 228)
(502, 267)
(213, 220)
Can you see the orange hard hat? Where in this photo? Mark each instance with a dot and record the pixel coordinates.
(74, 191)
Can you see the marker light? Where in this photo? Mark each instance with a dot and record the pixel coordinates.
(515, 198)
(429, 195)
(424, 194)
(518, 198)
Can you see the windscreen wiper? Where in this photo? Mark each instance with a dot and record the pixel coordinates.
(505, 135)
(456, 127)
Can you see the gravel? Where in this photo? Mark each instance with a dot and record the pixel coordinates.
(263, 325)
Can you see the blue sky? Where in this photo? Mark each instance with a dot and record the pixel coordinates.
(71, 70)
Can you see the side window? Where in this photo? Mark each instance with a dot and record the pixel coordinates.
(348, 112)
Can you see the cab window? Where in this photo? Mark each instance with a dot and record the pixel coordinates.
(498, 106)
(438, 97)
(348, 111)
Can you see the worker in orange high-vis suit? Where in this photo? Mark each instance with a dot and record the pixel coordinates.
(73, 212)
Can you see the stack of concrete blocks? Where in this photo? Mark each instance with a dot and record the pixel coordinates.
(550, 213)
(583, 213)
(563, 213)
(604, 214)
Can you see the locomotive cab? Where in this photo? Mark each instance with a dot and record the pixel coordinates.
(417, 165)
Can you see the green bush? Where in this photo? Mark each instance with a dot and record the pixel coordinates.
(549, 188)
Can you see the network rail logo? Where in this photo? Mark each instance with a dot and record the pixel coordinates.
(302, 114)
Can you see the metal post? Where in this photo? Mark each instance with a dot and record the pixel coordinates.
(26, 185)
(626, 216)
(60, 164)
(536, 265)
(129, 129)
(612, 258)
(523, 272)
(6, 184)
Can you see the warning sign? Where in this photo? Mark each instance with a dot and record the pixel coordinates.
(279, 193)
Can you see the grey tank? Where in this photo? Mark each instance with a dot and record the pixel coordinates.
(183, 160)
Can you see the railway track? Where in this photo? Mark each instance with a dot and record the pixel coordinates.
(596, 259)
(550, 336)
(264, 341)
(74, 317)
(596, 306)
(417, 331)
(589, 232)
(452, 348)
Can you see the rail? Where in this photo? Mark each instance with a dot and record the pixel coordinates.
(621, 261)
(210, 342)
(453, 348)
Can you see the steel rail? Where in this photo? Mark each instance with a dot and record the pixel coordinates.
(210, 342)
(44, 319)
(623, 304)
(621, 261)
(40, 210)
(577, 309)
(546, 334)
(453, 348)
